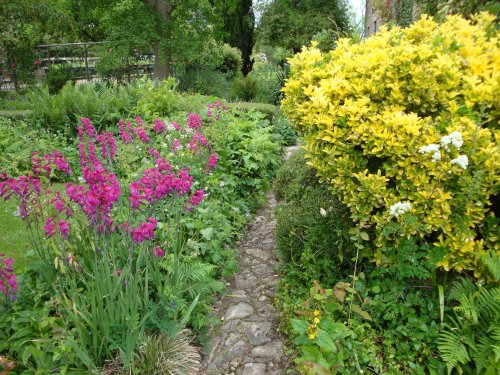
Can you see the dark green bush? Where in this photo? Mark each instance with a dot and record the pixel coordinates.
(245, 88)
(231, 61)
(312, 224)
(287, 134)
(56, 77)
(205, 82)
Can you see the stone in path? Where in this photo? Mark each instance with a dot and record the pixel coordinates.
(247, 341)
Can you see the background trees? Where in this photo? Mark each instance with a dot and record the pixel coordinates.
(292, 23)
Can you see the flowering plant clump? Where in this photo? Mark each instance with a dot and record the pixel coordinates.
(121, 218)
(8, 282)
(404, 126)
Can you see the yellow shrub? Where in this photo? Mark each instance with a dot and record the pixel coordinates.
(404, 125)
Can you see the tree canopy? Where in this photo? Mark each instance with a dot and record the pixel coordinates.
(293, 23)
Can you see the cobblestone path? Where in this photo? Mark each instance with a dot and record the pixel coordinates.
(248, 342)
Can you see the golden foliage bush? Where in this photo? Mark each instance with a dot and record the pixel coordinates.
(404, 125)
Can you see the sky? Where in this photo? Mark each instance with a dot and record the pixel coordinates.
(358, 8)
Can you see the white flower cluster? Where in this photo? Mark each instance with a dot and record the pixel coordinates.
(454, 138)
(399, 208)
(434, 148)
(462, 161)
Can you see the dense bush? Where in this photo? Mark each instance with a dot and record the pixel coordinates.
(404, 128)
(18, 141)
(106, 104)
(363, 310)
(245, 88)
(56, 77)
(311, 224)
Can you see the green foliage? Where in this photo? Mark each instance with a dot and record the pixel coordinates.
(33, 331)
(163, 354)
(470, 342)
(238, 27)
(162, 99)
(245, 88)
(286, 133)
(291, 24)
(17, 142)
(231, 61)
(105, 104)
(56, 77)
(205, 82)
(441, 8)
(349, 326)
(23, 25)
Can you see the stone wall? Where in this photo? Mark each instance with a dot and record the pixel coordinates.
(373, 20)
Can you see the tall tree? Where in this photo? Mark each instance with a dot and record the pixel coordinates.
(291, 24)
(238, 22)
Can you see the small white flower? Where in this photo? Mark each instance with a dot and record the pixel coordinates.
(322, 212)
(462, 161)
(399, 208)
(17, 212)
(429, 148)
(81, 179)
(454, 138)
(222, 183)
(436, 156)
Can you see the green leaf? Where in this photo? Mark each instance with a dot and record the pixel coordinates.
(325, 341)
(207, 233)
(358, 310)
(299, 326)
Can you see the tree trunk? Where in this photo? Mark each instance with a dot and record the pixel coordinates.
(163, 11)
(161, 70)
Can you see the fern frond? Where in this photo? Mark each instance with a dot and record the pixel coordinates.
(468, 308)
(483, 353)
(452, 349)
(463, 287)
(491, 260)
(488, 301)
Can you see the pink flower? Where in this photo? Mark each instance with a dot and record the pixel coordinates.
(159, 126)
(61, 162)
(8, 282)
(37, 62)
(194, 121)
(212, 161)
(176, 126)
(176, 144)
(108, 145)
(126, 131)
(154, 153)
(197, 141)
(195, 199)
(49, 227)
(159, 252)
(141, 134)
(63, 228)
(145, 231)
(88, 128)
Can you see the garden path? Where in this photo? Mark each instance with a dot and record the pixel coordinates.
(248, 342)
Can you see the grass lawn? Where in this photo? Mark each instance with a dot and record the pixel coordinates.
(14, 237)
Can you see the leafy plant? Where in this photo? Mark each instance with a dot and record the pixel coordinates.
(470, 342)
(56, 77)
(245, 88)
(406, 158)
